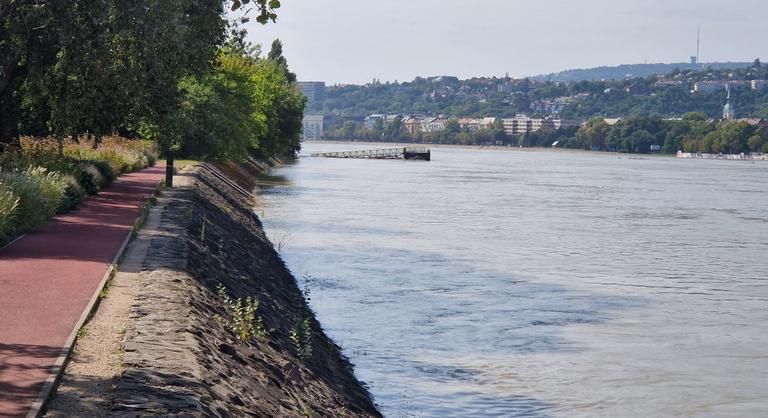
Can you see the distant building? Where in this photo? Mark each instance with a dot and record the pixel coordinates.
(470, 124)
(739, 85)
(754, 122)
(522, 124)
(313, 126)
(667, 83)
(709, 86)
(370, 121)
(390, 118)
(487, 123)
(412, 125)
(759, 85)
(315, 92)
(436, 125)
(444, 79)
(425, 123)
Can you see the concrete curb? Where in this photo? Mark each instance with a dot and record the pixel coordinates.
(52, 381)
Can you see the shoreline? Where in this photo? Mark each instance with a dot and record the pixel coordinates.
(491, 148)
(501, 148)
(180, 351)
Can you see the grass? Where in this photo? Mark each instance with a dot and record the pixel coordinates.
(82, 332)
(8, 204)
(182, 164)
(108, 284)
(39, 181)
(145, 208)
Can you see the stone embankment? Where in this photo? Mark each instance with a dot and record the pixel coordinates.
(181, 354)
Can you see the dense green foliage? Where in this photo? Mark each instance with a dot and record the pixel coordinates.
(693, 133)
(504, 97)
(152, 68)
(245, 105)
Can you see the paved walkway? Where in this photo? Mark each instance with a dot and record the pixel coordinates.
(48, 277)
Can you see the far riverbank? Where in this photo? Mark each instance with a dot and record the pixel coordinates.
(485, 147)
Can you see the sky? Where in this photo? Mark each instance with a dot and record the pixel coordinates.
(355, 41)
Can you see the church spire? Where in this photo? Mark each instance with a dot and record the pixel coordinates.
(728, 111)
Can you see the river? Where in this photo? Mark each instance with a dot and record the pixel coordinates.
(509, 283)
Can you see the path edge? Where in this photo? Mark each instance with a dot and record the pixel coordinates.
(57, 371)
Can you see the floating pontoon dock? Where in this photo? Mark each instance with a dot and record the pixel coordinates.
(406, 153)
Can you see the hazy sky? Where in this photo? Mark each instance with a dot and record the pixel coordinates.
(354, 41)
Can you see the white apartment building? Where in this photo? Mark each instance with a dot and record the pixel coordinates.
(709, 86)
(313, 126)
(522, 124)
(759, 85)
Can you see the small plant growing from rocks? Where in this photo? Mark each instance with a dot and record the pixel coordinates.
(241, 316)
(301, 334)
(202, 229)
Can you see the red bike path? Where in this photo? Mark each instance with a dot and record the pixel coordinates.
(48, 279)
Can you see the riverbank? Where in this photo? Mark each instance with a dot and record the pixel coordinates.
(185, 351)
(488, 148)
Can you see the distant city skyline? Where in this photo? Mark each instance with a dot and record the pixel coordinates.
(353, 41)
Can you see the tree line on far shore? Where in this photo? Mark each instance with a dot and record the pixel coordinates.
(176, 71)
(694, 132)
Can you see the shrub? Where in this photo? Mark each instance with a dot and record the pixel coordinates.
(33, 209)
(8, 205)
(74, 193)
(241, 316)
(50, 186)
(301, 334)
(90, 177)
(151, 157)
(106, 171)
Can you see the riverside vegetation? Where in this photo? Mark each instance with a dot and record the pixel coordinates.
(178, 76)
(42, 180)
(177, 72)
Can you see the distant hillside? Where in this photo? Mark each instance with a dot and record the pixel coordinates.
(632, 70)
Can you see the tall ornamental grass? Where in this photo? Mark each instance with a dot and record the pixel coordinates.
(35, 205)
(9, 202)
(44, 179)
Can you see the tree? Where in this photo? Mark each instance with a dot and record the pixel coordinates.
(217, 115)
(452, 126)
(378, 128)
(394, 128)
(265, 8)
(594, 133)
(27, 48)
(276, 55)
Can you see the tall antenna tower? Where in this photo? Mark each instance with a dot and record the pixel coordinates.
(698, 43)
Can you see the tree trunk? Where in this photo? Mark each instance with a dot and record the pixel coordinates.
(169, 168)
(9, 133)
(60, 141)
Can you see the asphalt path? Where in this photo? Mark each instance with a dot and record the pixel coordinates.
(48, 278)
